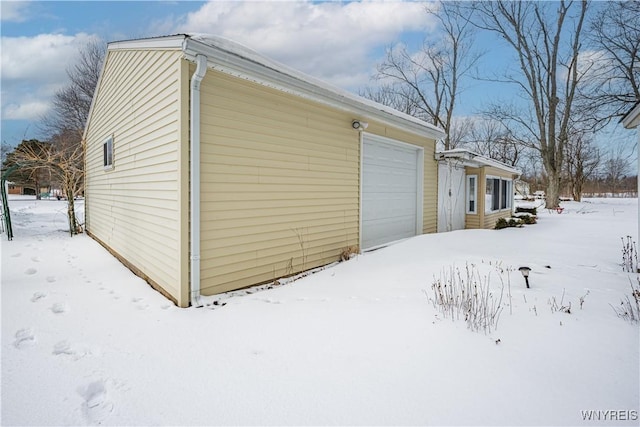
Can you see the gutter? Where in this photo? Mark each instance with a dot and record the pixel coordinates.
(196, 79)
(469, 158)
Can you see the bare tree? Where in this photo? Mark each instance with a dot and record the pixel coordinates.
(490, 138)
(546, 38)
(583, 160)
(63, 159)
(615, 166)
(394, 96)
(460, 131)
(71, 104)
(614, 83)
(64, 154)
(430, 80)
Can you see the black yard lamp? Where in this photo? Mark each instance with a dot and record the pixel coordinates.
(525, 273)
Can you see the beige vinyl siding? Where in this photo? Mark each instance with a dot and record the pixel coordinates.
(138, 208)
(482, 219)
(430, 184)
(491, 218)
(280, 184)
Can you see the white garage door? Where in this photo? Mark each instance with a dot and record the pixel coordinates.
(451, 197)
(391, 191)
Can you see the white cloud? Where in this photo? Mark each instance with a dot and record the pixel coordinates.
(330, 40)
(25, 110)
(44, 57)
(33, 69)
(14, 11)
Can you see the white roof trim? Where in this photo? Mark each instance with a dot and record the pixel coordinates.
(632, 118)
(235, 59)
(469, 158)
(167, 42)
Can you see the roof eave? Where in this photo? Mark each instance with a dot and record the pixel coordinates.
(631, 119)
(278, 78)
(469, 158)
(173, 42)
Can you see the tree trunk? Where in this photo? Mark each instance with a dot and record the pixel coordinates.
(553, 190)
(577, 193)
(71, 210)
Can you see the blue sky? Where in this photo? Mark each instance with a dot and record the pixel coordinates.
(339, 42)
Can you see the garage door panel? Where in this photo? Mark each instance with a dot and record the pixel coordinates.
(389, 192)
(388, 231)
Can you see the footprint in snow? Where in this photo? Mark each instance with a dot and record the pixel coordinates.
(38, 296)
(35, 258)
(51, 279)
(24, 338)
(63, 347)
(96, 407)
(60, 308)
(16, 255)
(30, 271)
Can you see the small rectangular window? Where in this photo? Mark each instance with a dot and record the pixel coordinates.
(488, 195)
(503, 194)
(506, 194)
(472, 193)
(107, 153)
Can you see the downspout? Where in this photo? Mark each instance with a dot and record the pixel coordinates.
(201, 70)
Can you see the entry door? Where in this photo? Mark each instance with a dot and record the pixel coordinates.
(391, 191)
(451, 197)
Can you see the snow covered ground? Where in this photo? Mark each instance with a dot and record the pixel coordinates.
(85, 342)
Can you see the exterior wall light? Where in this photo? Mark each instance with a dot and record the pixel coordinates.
(359, 125)
(525, 273)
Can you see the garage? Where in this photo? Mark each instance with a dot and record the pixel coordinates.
(451, 196)
(392, 174)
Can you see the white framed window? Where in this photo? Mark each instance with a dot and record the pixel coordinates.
(506, 192)
(107, 153)
(472, 194)
(498, 194)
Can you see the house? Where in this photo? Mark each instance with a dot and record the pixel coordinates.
(631, 120)
(15, 188)
(473, 191)
(211, 168)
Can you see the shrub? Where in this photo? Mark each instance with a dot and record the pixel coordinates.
(532, 211)
(629, 255)
(508, 222)
(467, 295)
(528, 219)
(349, 252)
(629, 309)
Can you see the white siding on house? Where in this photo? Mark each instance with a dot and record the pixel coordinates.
(135, 208)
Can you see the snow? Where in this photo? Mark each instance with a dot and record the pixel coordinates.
(85, 342)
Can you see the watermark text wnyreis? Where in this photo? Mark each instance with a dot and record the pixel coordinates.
(609, 415)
